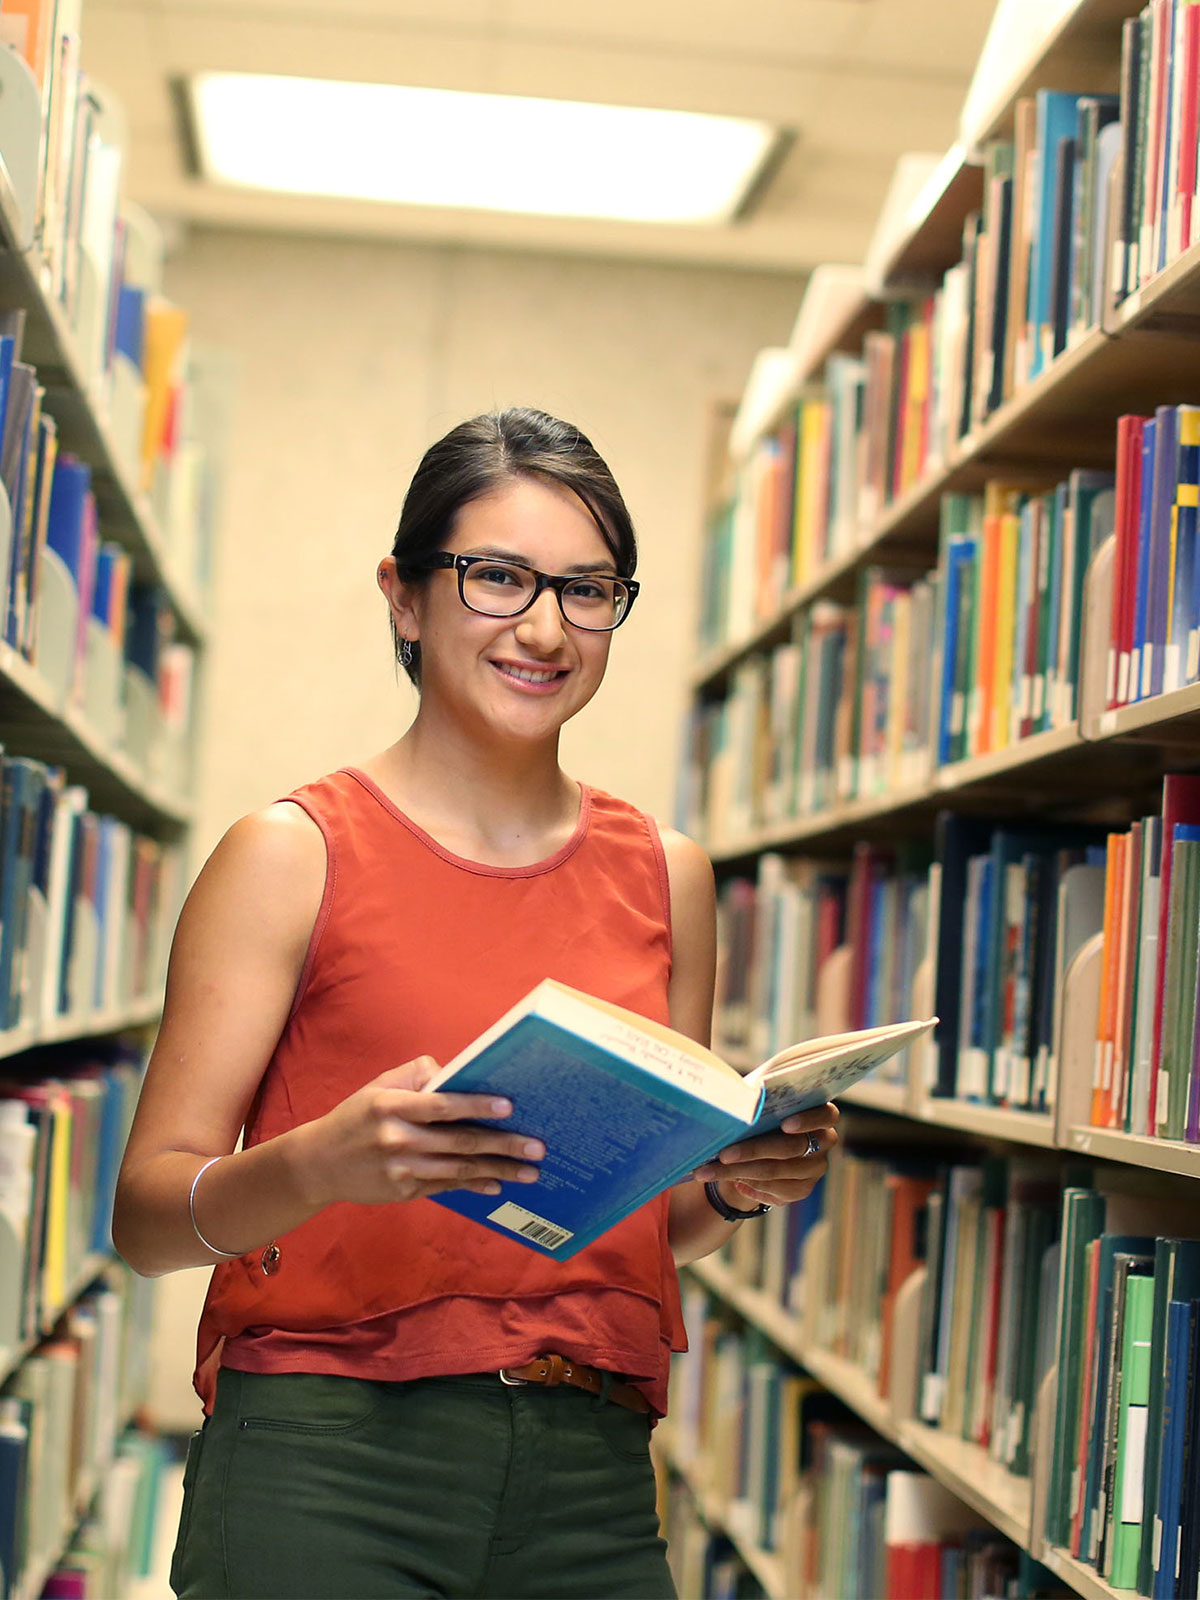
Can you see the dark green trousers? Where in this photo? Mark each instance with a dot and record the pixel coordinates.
(312, 1488)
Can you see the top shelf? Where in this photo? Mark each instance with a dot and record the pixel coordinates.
(81, 415)
(1079, 50)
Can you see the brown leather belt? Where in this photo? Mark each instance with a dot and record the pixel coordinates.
(554, 1369)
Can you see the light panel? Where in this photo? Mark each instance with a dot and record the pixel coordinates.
(441, 147)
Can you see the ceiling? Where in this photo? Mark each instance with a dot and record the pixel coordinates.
(860, 82)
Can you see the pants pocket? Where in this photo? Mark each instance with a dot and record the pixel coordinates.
(190, 1469)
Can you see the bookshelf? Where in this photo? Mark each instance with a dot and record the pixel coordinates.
(117, 398)
(1096, 766)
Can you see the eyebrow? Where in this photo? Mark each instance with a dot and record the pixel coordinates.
(499, 554)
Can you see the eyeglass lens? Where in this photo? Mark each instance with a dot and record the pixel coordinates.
(499, 590)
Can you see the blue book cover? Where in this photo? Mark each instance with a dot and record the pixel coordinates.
(107, 558)
(64, 530)
(1056, 119)
(16, 1419)
(979, 1013)
(8, 350)
(1180, 1316)
(1141, 599)
(131, 323)
(1176, 1277)
(626, 1108)
(110, 1144)
(1166, 461)
(959, 557)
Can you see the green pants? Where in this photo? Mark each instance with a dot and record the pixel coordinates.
(318, 1487)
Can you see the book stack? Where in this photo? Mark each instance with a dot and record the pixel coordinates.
(1011, 570)
(61, 1414)
(113, 1546)
(1122, 1490)
(1147, 1062)
(61, 1141)
(1012, 906)
(703, 1560)
(1154, 639)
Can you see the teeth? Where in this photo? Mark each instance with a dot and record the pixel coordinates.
(527, 675)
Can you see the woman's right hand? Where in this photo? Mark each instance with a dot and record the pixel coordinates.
(394, 1140)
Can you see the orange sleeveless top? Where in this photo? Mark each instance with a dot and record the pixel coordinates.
(415, 951)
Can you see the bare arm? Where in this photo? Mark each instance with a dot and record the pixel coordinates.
(235, 963)
(775, 1168)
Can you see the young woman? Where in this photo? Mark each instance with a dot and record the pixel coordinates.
(398, 1401)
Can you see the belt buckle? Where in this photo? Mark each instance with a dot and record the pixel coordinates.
(512, 1383)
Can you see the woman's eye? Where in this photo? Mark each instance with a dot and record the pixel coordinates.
(496, 575)
(587, 589)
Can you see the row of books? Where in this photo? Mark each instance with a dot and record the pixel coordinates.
(778, 934)
(981, 935)
(1123, 1492)
(1147, 1062)
(61, 1414)
(1011, 596)
(1154, 637)
(87, 905)
(102, 262)
(1023, 1276)
(926, 670)
(1160, 88)
(703, 1560)
(843, 1510)
(65, 1114)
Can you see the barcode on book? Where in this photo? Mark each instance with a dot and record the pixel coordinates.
(530, 1226)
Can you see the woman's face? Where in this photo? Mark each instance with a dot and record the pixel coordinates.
(515, 677)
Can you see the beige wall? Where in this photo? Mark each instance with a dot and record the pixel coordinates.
(350, 359)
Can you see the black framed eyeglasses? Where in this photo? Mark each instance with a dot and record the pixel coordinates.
(494, 588)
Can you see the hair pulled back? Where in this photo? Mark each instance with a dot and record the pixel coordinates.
(486, 454)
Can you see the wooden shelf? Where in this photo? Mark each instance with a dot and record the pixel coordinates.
(1080, 53)
(62, 736)
(974, 1477)
(872, 1095)
(1136, 1150)
(991, 1122)
(1176, 713)
(81, 414)
(932, 242)
(1085, 1580)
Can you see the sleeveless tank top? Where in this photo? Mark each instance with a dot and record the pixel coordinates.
(416, 951)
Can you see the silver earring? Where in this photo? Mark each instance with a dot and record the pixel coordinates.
(406, 653)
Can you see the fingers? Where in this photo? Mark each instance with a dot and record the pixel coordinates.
(437, 1172)
(807, 1144)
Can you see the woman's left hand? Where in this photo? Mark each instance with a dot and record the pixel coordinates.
(777, 1168)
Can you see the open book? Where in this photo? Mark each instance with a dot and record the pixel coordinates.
(627, 1107)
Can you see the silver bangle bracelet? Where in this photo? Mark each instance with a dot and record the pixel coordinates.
(229, 1255)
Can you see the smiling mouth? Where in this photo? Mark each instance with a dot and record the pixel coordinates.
(532, 675)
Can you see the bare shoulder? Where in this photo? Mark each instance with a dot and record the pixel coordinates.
(267, 872)
(689, 873)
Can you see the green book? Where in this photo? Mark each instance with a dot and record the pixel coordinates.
(1179, 981)
(1125, 1511)
(1083, 1221)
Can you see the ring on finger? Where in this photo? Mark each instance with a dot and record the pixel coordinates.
(814, 1145)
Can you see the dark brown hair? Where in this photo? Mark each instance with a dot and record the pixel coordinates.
(485, 454)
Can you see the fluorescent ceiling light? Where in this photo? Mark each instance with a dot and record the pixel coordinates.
(440, 147)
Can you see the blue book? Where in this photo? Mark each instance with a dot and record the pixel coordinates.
(626, 1107)
(959, 557)
(131, 323)
(68, 493)
(1166, 465)
(1176, 1277)
(1180, 1319)
(1057, 115)
(16, 1420)
(1141, 594)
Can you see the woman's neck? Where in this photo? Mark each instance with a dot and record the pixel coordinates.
(505, 804)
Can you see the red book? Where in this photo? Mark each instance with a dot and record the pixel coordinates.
(1189, 131)
(1128, 501)
(910, 1196)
